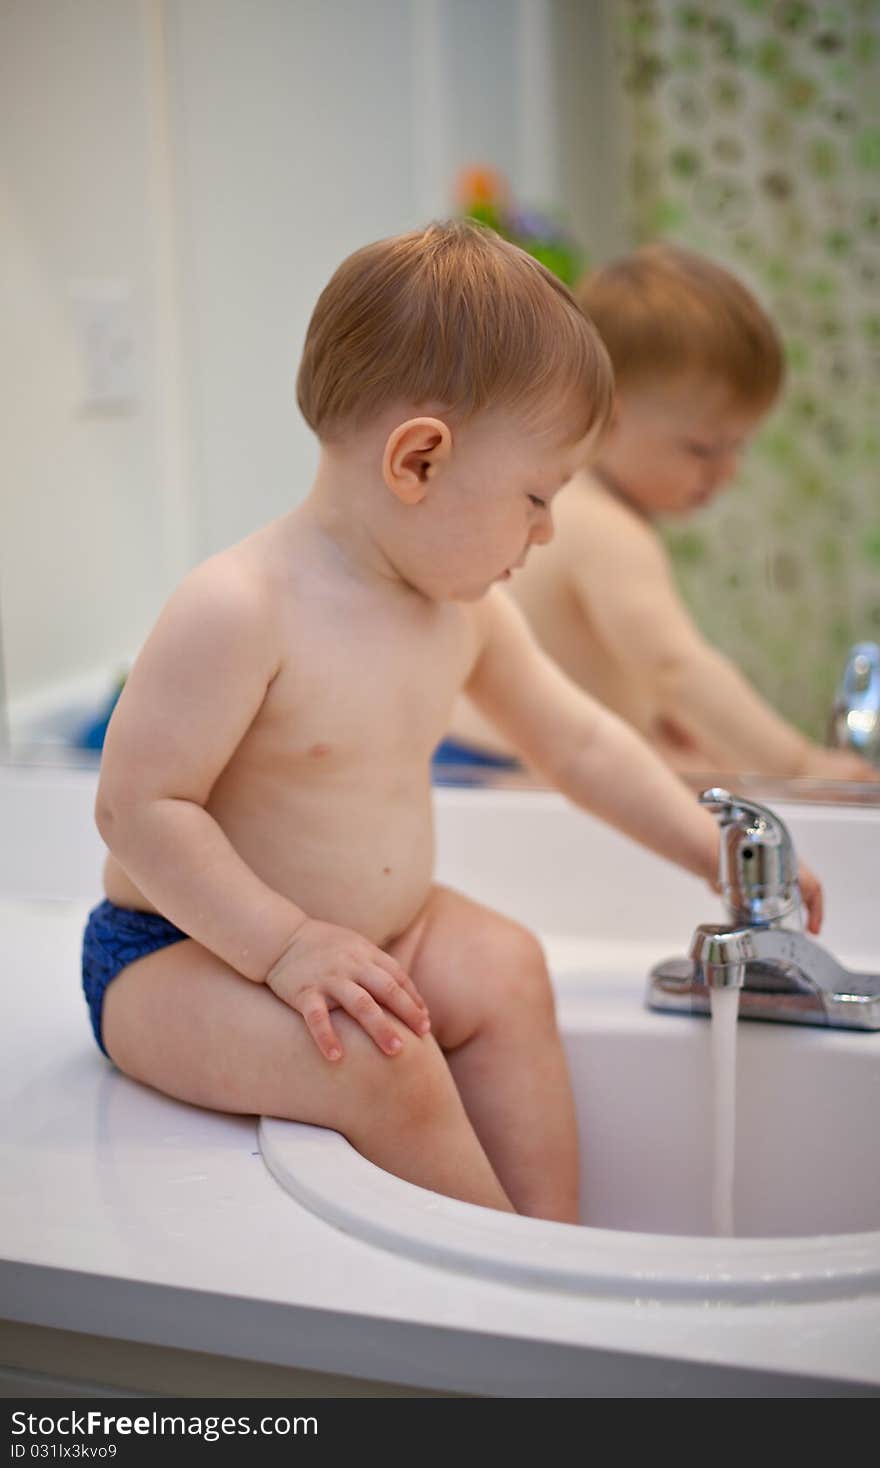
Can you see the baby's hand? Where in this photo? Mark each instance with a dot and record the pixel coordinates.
(811, 892)
(325, 967)
(840, 764)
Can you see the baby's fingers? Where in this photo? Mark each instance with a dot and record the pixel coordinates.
(811, 897)
(396, 996)
(313, 1008)
(814, 908)
(372, 1018)
(400, 975)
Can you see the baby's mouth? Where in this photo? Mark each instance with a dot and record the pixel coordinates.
(517, 566)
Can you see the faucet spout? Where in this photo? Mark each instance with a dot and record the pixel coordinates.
(723, 956)
(781, 972)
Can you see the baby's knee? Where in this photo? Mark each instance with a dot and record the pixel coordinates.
(516, 971)
(408, 1090)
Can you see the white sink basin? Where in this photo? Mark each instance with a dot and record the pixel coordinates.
(807, 1184)
(807, 1194)
(806, 1116)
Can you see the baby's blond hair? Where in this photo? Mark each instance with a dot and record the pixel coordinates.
(668, 313)
(454, 315)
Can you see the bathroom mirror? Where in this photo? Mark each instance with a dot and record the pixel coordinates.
(179, 177)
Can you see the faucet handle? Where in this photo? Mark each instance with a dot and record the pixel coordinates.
(758, 868)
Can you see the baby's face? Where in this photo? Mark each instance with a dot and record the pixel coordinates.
(671, 450)
(492, 504)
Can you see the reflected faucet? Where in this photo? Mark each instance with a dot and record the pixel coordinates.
(763, 951)
(855, 713)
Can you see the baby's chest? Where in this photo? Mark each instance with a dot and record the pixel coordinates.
(383, 688)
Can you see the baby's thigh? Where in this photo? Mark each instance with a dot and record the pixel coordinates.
(472, 966)
(185, 1023)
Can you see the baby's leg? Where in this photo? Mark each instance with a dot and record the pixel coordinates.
(184, 1022)
(485, 981)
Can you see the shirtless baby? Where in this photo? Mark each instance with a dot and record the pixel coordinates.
(698, 365)
(272, 942)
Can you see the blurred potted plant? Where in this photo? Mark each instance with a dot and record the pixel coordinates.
(482, 193)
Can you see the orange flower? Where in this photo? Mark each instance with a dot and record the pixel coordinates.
(480, 185)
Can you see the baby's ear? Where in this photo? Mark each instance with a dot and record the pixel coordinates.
(414, 452)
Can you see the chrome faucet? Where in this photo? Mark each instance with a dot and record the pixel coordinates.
(781, 972)
(855, 713)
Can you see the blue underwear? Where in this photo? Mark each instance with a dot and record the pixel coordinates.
(114, 938)
(456, 752)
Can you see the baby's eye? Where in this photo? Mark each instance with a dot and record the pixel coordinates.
(536, 501)
(700, 450)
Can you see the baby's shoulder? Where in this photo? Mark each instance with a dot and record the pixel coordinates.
(229, 581)
(226, 600)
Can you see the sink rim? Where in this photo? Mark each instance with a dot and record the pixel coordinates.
(323, 1172)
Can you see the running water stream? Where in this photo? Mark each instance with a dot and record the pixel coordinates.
(725, 1009)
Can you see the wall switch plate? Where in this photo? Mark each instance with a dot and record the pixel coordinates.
(105, 329)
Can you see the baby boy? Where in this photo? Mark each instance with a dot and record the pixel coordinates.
(272, 941)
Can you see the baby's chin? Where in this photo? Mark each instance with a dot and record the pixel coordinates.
(464, 591)
(476, 592)
(437, 592)
(704, 498)
(679, 509)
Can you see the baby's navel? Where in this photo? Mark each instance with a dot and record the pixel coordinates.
(318, 751)
(387, 871)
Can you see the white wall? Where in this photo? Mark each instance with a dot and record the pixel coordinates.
(81, 543)
(220, 156)
(294, 147)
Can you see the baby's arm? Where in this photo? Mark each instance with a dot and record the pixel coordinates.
(189, 700)
(590, 754)
(708, 714)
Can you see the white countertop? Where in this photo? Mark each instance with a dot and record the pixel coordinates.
(131, 1216)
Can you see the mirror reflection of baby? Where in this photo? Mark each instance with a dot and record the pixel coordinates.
(272, 939)
(698, 365)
